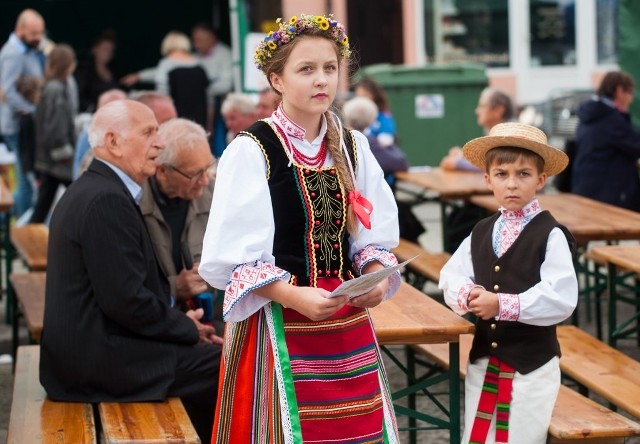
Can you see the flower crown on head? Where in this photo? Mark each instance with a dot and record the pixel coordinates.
(296, 26)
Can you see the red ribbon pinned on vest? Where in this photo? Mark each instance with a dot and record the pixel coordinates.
(361, 207)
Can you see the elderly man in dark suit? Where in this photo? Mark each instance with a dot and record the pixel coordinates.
(110, 333)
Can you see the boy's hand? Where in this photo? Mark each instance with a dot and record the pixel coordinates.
(484, 304)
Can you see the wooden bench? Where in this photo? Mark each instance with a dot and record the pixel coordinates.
(424, 268)
(36, 418)
(600, 368)
(31, 243)
(575, 418)
(146, 422)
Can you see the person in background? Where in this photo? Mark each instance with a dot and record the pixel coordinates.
(268, 102)
(175, 205)
(384, 127)
(176, 52)
(494, 106)
(515, 273)
(55, 131)
(95, 75)
(82, 154)
(359, 112)
(30, 88)
(216, 58)
(605, 166)
(109, 332)
(20, 56)
(239, 112)
(160, 104)
(289, 223)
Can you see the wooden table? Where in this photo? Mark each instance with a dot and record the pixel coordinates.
(625, 257)
(448, 186)
(411, 317)
(587, 219)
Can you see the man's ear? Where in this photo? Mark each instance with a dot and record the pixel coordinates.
(113, 144)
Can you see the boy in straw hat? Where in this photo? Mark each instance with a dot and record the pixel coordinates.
(515, 274)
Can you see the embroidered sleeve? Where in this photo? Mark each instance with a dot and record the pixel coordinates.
(385, 257)
(373, 253)
(463, 295)
(509, 307)
(238, 303)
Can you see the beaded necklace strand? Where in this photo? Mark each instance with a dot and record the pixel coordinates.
(312, 161)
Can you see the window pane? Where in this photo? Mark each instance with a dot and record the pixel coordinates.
(553, 32)
(607, 30)
(467, 30)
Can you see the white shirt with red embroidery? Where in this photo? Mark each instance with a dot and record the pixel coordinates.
(237, 252)
(550, 301)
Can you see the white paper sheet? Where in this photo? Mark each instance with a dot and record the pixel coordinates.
(366, 282)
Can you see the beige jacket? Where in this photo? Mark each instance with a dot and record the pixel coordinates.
(193, 233)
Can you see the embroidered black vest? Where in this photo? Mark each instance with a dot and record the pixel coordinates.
(525, 347)
(309, 208)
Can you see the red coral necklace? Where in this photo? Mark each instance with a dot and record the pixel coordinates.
(312, 161)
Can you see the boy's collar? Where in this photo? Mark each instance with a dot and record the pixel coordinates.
(529, 210)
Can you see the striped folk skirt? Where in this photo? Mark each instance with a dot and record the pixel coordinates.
(287, 379)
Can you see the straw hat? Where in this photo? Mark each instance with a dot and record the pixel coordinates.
(512, 134)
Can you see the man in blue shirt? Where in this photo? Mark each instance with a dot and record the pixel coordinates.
(19, 57)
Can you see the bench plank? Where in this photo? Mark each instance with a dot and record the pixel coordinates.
(29, 289)
(600, 368)
(147, 422)
(427, 264)
(574, 418)
(36, 418)
(31, 242)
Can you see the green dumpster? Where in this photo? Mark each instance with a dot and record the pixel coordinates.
(433, 106)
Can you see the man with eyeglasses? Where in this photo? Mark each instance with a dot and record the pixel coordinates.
(175, 205)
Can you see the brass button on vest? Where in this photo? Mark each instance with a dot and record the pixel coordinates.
(496, 268)
(493, 326)
(494, 345)
(496, 287)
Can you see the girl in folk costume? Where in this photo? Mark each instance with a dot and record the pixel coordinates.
(291, 223)
(515, 273)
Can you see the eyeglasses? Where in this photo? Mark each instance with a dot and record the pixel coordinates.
(193, 177)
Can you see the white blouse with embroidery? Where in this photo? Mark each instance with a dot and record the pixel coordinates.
(237, 252)
(550, 301)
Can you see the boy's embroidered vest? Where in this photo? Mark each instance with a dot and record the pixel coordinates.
(524, 347)
(309, 208)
